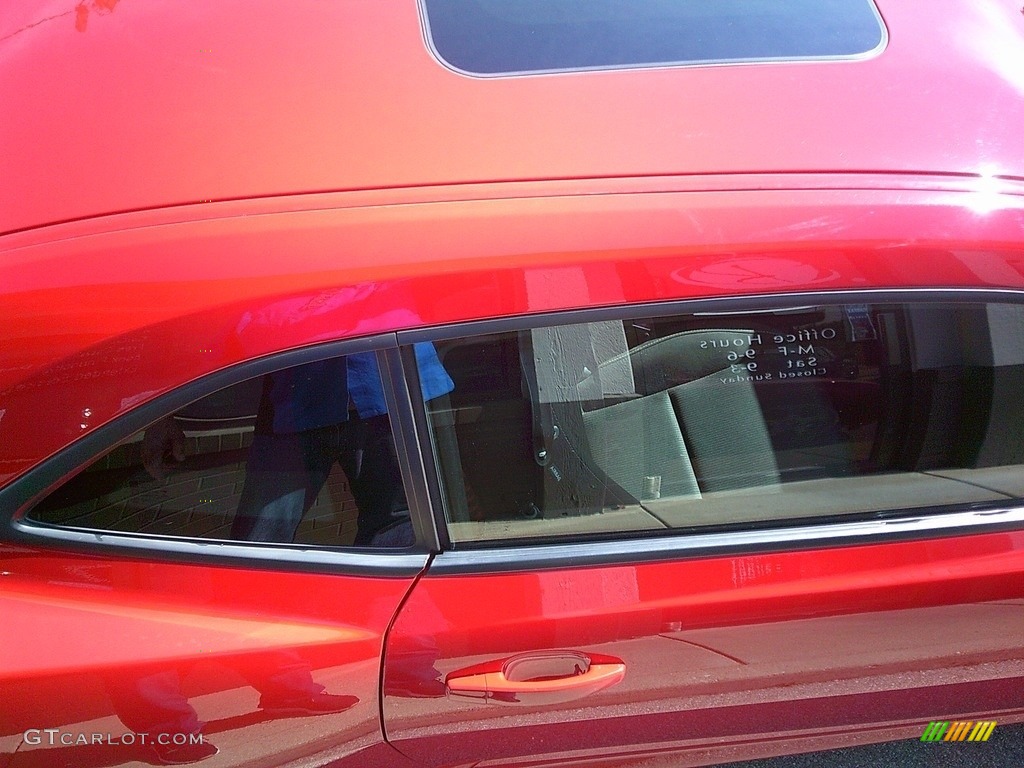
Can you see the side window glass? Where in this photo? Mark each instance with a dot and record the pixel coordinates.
(732, 420)
(303, 455)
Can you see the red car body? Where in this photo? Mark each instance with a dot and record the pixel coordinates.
(169, 170)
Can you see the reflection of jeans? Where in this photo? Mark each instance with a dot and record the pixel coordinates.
(152, 702)
(284, 474)
(150, 699)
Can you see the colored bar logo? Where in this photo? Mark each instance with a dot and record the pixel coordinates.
(958, 731)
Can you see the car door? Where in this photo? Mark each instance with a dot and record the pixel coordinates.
(155, 610)
(811, 537)
(115, 660)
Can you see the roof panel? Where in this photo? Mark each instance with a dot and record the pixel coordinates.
(137, 105)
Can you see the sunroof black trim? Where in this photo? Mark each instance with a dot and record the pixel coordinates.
(500, 38)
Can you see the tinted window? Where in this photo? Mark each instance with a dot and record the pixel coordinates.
(732, 420)
(490, 37)
(302, 455)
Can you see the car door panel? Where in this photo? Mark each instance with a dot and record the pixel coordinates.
(116, 644)
(719, 652)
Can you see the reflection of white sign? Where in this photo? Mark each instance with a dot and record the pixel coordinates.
(755, 272)
(772, 355)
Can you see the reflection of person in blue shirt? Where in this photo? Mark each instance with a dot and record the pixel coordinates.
(312, 416)
(309, 417)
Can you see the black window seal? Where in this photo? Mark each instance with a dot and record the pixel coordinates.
(18, 497)
(404, 398)
(425, 450)
(640, 546)
(761, 302)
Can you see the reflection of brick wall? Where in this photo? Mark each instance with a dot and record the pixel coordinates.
(129, 454)
(197, 500)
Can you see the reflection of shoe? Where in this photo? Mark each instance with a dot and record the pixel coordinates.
(181, 754)
(307, 704)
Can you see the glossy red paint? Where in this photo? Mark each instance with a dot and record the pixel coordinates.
(187, 188)
(94, 638)
(144, 106)
(106, 315)
(722, 655)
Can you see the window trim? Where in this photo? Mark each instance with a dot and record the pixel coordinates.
(642, 547)
(404, 399)
(27, 490)
(726, 305)
(637, 546)
(418, 464)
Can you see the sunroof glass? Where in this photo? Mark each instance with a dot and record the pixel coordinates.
(495, 37)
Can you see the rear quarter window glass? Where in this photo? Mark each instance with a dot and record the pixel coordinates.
(732, 421)
(495, 37)
(303, 455)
